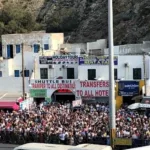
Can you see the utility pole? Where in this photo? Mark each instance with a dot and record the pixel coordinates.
(23, 79)
(144, 67)
(112, 103)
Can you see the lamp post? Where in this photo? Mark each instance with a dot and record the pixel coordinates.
(111, 74)
(23, 82)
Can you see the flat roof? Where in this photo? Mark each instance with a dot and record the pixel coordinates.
(9, 96)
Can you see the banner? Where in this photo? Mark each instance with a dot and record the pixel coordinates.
(89, 88)
(128, 88)
(53, 84)
(62, 59)
(76, 103)
(93, 89)
(96, 60)
(38, 93)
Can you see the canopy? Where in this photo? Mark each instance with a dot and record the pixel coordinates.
(134, 106)
(6, 105)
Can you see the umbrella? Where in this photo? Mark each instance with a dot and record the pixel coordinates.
(15, 107)
(139, 97)
(134, 106)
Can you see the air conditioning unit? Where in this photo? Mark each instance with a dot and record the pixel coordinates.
(126, 65)
(64, 66)
(51, 66)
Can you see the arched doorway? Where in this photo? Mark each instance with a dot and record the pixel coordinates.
(63, 96)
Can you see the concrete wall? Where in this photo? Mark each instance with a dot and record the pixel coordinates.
(13, 85)
(74, 48)
(99, 44)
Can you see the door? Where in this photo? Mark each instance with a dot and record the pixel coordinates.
(70, 73)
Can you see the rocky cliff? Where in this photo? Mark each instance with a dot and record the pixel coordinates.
(86, 20)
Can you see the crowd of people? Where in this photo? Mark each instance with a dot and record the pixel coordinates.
(73, 126)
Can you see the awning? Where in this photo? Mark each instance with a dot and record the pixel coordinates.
(9, 105)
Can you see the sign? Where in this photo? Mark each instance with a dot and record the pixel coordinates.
(46, 60)
(128, 88)
(38, 93)
(63, 91)
(123, 141)
(53, 84)
(76, 103)
(93, 89)
(85, 89)
(62, 59)
(96, 60)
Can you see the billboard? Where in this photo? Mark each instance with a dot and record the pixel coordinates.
(96, 60)
(56, 60)
(128, 88)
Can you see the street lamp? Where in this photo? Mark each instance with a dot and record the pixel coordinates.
(111, 74)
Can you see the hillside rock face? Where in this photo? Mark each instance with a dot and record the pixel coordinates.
(131, 19)
(89, 23)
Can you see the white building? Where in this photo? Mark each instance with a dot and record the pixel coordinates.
(34, 45)
(46, 57)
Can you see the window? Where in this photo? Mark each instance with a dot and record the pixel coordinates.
(18, 49)
(70, 73)
(115, 74)
(36, 48)
(44, 73)
(26, 73)
(17, 73)
(46, 47)
(10, 51)
(137, 75)
(91, 74)
(0, 73)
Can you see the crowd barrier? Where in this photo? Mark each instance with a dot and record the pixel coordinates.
(10, 137)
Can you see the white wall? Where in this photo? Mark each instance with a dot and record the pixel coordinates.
(99, 44)
(13, 85)
(57, 71)
(135, 61)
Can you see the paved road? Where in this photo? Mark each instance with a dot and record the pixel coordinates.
(7, 146)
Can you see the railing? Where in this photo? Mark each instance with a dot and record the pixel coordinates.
(11, 137)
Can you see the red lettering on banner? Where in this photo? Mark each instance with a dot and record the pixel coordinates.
(90, 93)
(94, 84)
(38, 86)
(101, 93)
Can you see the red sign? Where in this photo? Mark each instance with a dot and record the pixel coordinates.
(63, 91)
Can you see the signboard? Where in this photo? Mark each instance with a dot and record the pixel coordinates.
(96, 60)
(46, 60)
(93, 89)
(145, 103)
(38, 93)
(128, 88)
(61, 59)
(123, 141)
(76, 103)
(84, 89)
(53, 84)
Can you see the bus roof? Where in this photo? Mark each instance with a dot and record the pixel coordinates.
(43, 146)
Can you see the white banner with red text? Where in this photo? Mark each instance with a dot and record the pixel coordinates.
(89, 88)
